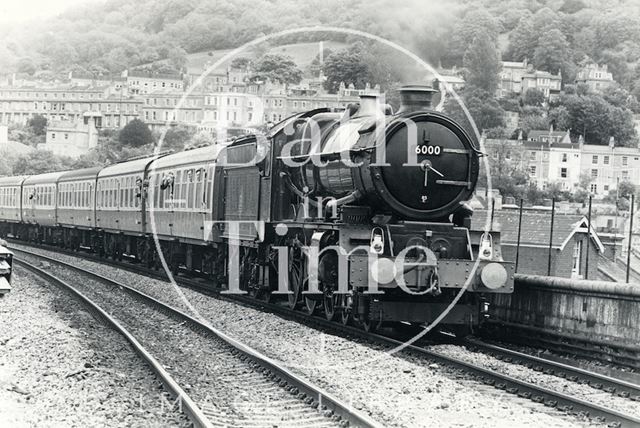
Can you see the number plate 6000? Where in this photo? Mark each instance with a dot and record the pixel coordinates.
(428, 150)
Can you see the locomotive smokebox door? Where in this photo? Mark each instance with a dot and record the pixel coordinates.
(6, 265)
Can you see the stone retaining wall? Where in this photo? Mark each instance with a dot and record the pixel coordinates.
(597, 310)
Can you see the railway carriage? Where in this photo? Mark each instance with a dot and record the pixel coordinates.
(10, 196)
(180, 201)
(120, 213)
(76, 206)
(39, 202)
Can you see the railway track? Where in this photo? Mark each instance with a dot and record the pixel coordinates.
(565, 344)
(235, 387)
(599, 381)
(510, 384)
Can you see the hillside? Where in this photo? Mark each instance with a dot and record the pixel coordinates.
(110, 36)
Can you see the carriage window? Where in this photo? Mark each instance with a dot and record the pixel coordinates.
(127, 185)
(208, 181)
(178, 188)
(161, 194)
(198, 196)
(107, 193)
(120, 192)
(190, 175)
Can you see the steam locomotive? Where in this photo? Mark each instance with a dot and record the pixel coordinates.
(358, 213)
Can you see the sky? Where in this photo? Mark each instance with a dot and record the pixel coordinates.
(17, 11)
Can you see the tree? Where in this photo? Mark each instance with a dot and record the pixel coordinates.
(507, 166)
(277, 68)
(572, 6)
(533, 122)
(597, 120)
(483, 108)
(559, 118)
(38, 124)
(26, 65)
(346, 66)
(552, 51)
(482, 63)
(135, 134)
(534, 97)
(476, 22)
(176, 138)
(40, 162)
(241, 63)
(626, 189)
(522, 41)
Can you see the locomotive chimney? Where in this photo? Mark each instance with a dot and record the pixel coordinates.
(369, 105)
(415, 98)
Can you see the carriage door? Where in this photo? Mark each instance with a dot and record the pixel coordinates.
(32, 197)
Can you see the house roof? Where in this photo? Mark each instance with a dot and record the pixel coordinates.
(536, 227)
(545, 133)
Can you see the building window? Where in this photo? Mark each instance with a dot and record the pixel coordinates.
(605, 160)
(563, 172)
(532, 170)
(593, 188)
(594, 173)
(577, 257)
(594, 159)
(533, 155)
(625, 175)
(606, 187)
(66, 136)
(564, 157)
(53, 135)
(625, 161)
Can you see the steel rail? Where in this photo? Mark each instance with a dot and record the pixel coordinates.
(195, 414)
(346, 412)
(556, 368)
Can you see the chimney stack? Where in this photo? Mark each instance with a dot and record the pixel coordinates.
(415, 98)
